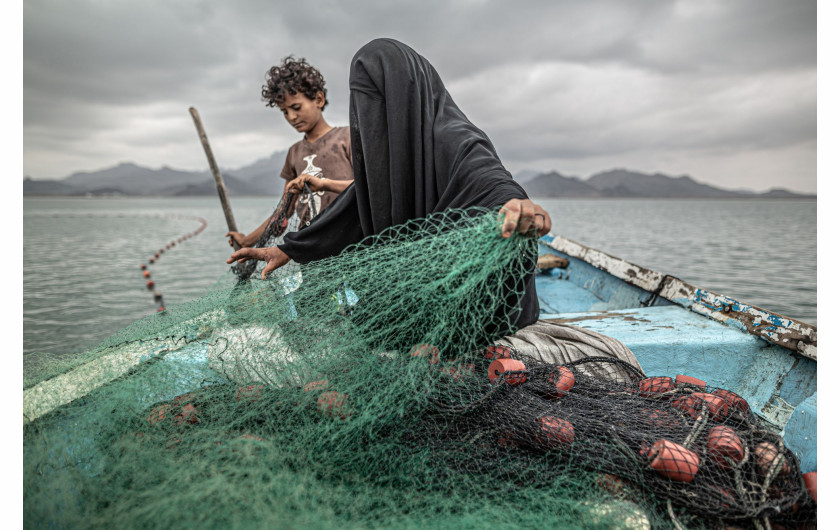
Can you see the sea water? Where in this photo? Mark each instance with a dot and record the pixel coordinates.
(82, 279)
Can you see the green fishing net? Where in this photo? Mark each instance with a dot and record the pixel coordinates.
(366, 391)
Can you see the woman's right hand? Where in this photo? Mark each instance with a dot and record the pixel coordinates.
(273, 257)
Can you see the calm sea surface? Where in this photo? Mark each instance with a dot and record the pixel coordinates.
(82, 279)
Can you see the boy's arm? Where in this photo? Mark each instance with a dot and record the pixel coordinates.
(251, 239)
(318, 184)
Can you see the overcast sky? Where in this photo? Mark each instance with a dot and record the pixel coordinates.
(723, 91)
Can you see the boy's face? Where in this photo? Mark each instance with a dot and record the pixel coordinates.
(301, 112)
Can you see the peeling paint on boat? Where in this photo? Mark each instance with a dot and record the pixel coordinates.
(776, 329)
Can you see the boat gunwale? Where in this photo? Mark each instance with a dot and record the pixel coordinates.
(774, 328)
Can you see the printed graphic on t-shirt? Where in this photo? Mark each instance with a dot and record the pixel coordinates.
(313, 200)
(311, 168)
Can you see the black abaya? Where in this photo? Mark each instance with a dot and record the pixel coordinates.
(414, 153)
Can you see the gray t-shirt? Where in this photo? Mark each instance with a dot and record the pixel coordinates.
(328, 156)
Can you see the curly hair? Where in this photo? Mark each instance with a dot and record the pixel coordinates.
(291, 77)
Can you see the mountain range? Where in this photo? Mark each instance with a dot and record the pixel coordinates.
(262, 178)
(621, 183)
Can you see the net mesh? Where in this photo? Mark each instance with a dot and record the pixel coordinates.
(369, 390)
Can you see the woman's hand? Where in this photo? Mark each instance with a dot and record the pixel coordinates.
(314, 183)
(525, 217)
(272, 256)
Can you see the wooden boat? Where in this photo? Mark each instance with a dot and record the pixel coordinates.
(671, 326)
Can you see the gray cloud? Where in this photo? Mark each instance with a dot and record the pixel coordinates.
(723, 91)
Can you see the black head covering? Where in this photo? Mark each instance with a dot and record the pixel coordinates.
(414, 153)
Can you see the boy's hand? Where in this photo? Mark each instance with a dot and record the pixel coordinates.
(272, 256)
(237, 237)
(525, 217)
(314, 183)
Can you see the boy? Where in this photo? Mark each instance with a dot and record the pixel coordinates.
(321, 159)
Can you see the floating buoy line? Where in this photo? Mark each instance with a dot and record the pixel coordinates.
(147, 274)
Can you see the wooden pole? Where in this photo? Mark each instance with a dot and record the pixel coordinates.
(217, 176)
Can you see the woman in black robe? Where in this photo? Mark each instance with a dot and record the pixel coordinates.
(414, 153)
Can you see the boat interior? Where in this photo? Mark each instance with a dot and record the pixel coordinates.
(669, 337)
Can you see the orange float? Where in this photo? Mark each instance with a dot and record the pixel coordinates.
(732, 399)
(610, 483)
(765, 453)
(658, 418)
(693, 405)
(501, 367)
(460, 371)
(651, 386)
(146, 274)
(555, 431)
(334, 405)
(725, 446)
(688, 380)
(315, 385)
(158, 414)
(810, 479)
(563, 380)
(497, 351)
(426, 350)
(188, 414)
(250, 393)
(673, 461)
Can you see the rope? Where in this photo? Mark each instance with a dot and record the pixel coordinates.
(147, 274)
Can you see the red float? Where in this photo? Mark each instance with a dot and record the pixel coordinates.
(673, 461)
(563, 380)
(158, 414)
(251, 393)
(503, 366)
(725, 447)
(496, 351)
(688, 380)
(334, 405)
(693, 405)
(652, 386)
(554, 431)
(189, 414)
(765, 454)
(426, 350)
(810, 479)
(732, 399)
(315, 385)
(460, 371)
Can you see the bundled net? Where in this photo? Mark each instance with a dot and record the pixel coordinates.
(370, 390)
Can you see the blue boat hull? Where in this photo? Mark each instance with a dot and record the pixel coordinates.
(677, 333)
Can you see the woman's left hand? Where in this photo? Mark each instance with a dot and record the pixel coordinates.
(525, 217)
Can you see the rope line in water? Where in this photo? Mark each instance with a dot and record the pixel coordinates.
(147, 274)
